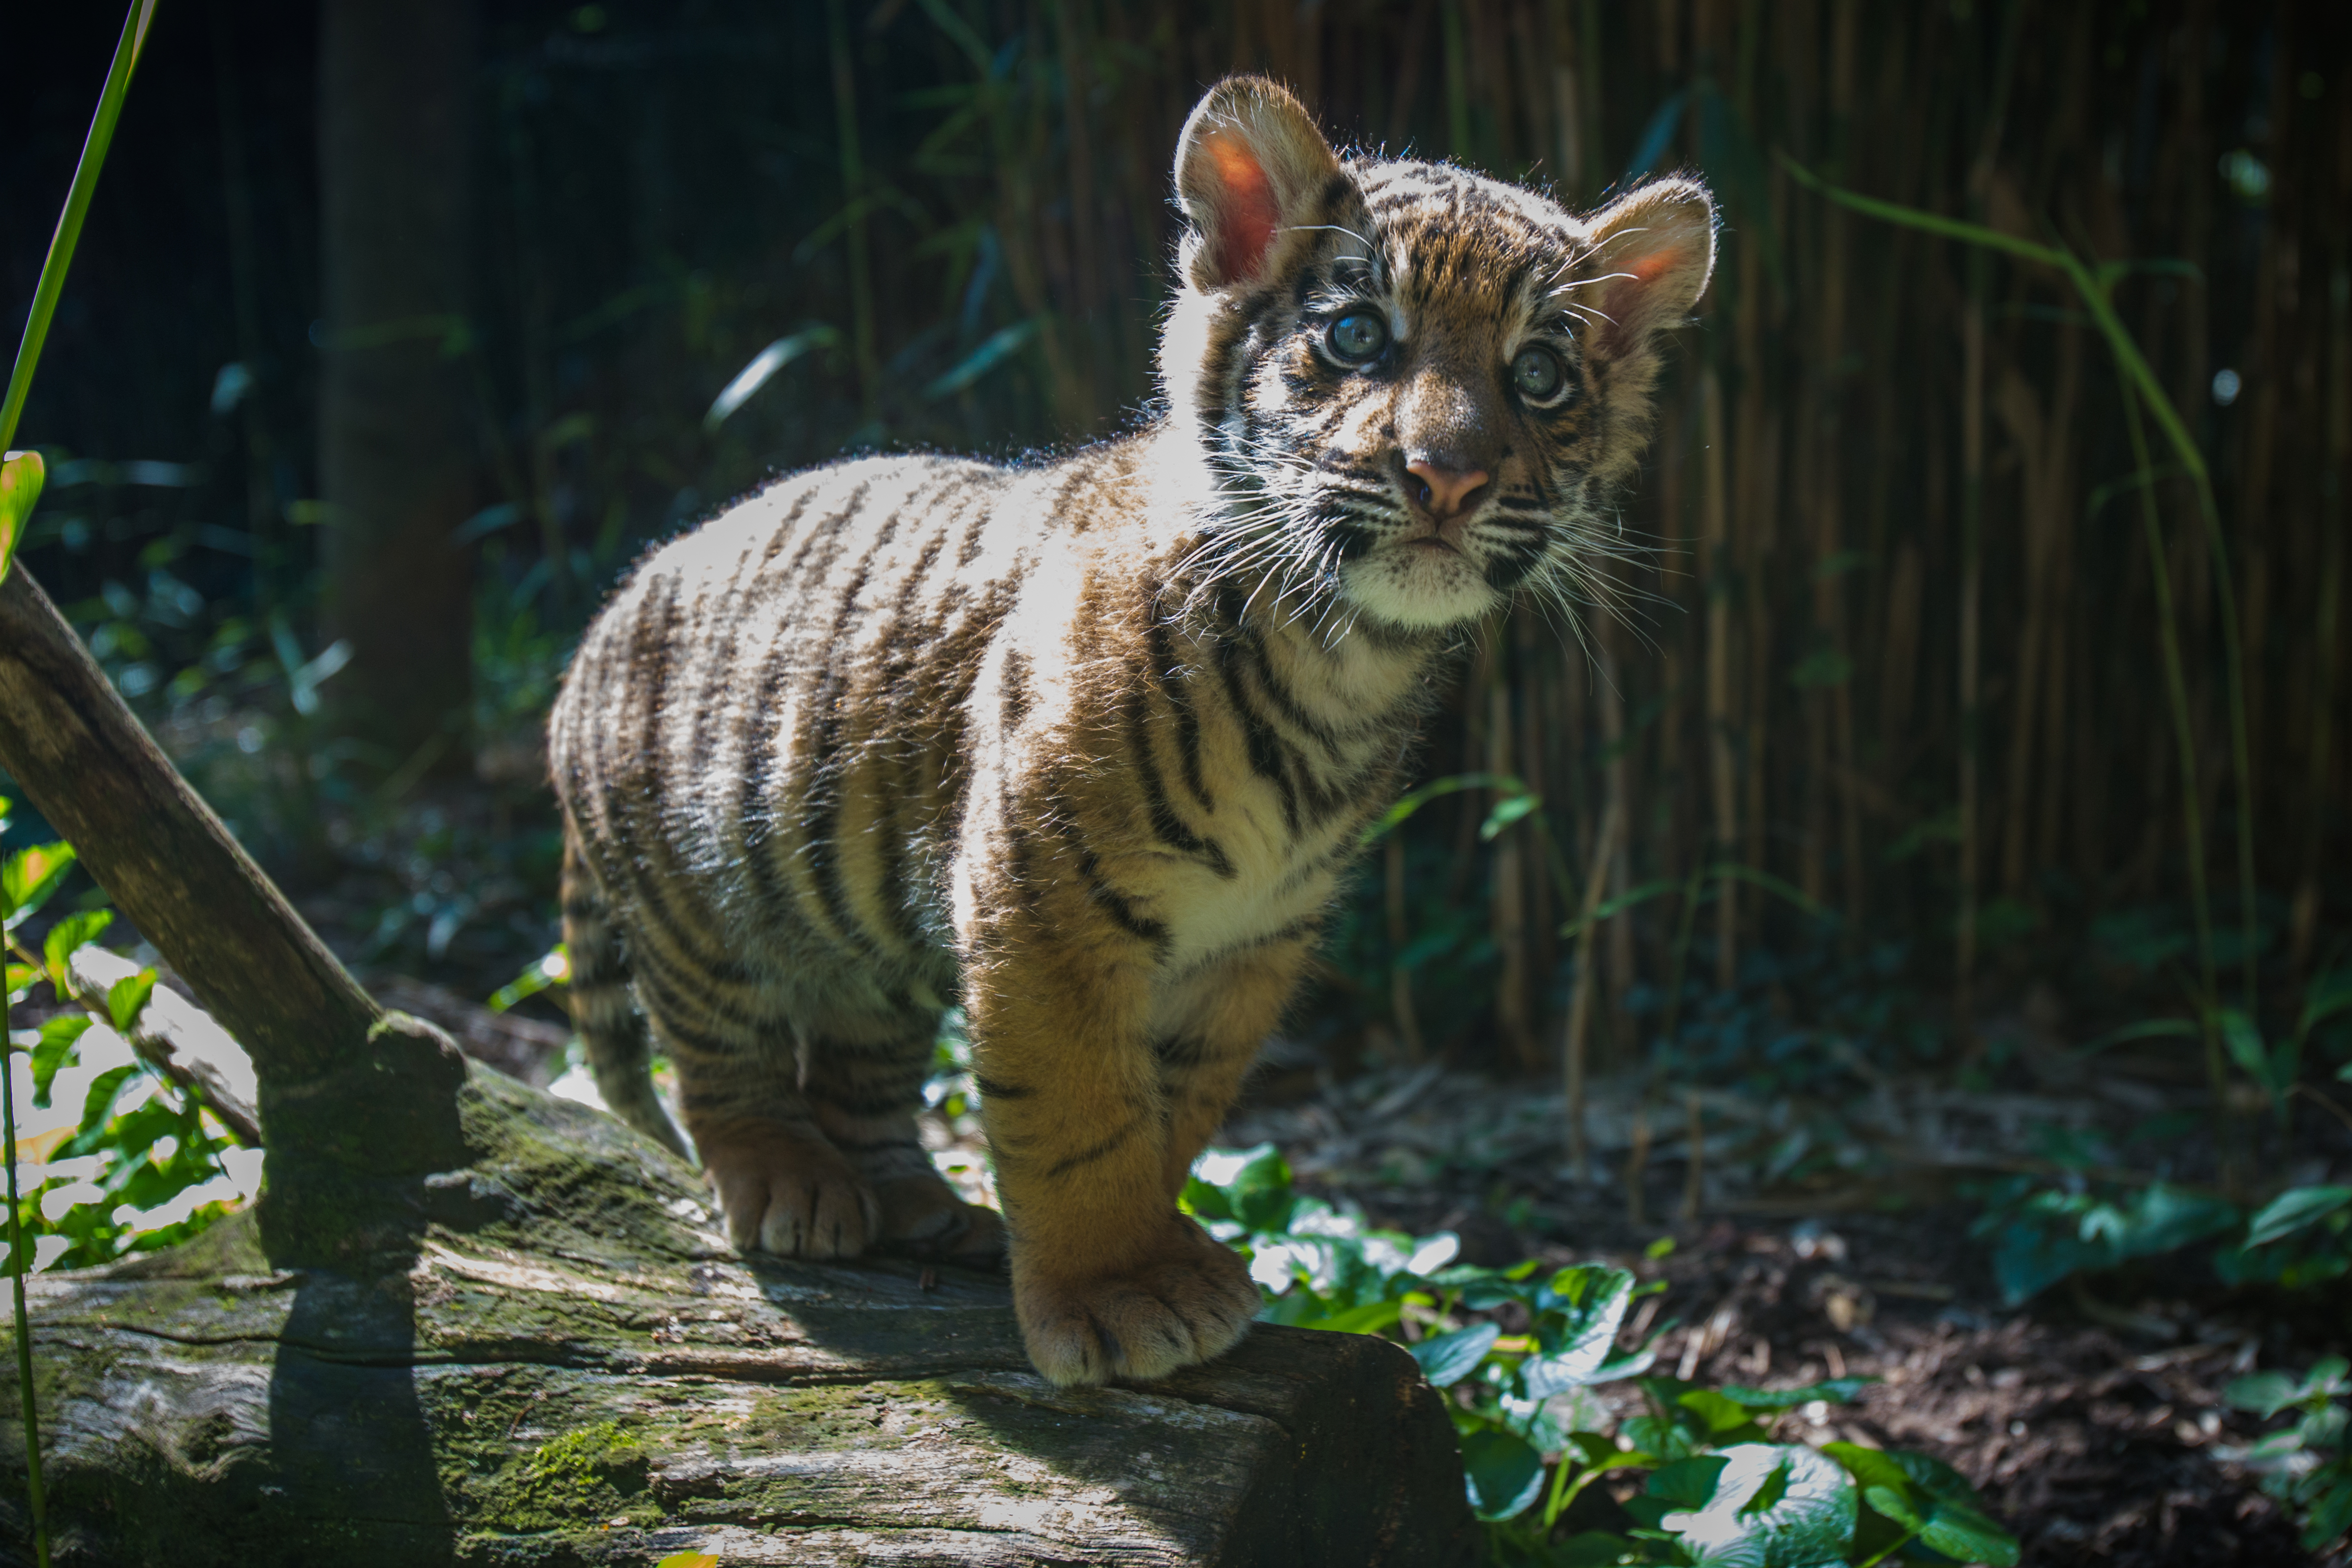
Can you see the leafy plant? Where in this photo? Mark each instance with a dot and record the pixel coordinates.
(151, 1140)
(2305, 1466)
(1535, 1439)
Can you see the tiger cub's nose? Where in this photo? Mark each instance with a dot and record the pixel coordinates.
(1444, 492)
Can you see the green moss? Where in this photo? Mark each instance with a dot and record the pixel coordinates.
(591, 1474)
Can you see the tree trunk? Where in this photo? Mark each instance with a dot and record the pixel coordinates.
(395, 78)
(470, 1323)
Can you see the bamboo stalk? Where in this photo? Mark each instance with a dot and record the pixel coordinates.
(1579, 1009)
(1723, 762)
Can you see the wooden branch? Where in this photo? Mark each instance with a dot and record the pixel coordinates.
(576, 1368)
(152, 843)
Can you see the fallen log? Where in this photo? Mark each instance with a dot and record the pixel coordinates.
(467, 1323)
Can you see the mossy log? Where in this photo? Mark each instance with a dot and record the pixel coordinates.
(470, 1323)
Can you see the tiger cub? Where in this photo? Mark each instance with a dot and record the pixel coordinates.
(1088, 745)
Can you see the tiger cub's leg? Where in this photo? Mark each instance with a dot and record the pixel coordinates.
(1216, 1025)
(864, 1081)
(783, 1185)
(1108, 1279)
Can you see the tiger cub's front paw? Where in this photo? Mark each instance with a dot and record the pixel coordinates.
(795, 1196)
(1187, 1301)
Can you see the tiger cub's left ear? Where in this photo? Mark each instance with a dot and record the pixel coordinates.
(1647, 255)
(1250, 167)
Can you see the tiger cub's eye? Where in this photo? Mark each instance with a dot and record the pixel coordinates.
(1537, 373)
(1357, 336)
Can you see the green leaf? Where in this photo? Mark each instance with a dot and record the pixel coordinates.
(1871, 1466)
(28, 879)
(1835, 1390)
(1954, 1523)
(763, 365)
(20, 486)
(1369, 1319)
(2294, 1209)
(2244, 1043)
(1001, 345)
(2265, 1392)
(55, 1051)
(69, 936)
(1446, 1359)
(127, 998)
(1720, 1413)
(1687, 1483)
(1503, 1471)
(553, 967)
(1795, 1504)
(1507, 810)
(1415, 799)
(1587, 1337)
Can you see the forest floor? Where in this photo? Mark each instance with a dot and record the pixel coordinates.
(1819, 1237)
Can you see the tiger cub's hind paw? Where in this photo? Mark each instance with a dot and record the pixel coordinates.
(791, 1195)
(923, 1214)
(1192, 1300)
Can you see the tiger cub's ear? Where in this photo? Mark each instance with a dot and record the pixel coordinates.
(1249, 166)
(1648, 255)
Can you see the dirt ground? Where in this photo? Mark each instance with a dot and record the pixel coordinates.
(2090, 1417)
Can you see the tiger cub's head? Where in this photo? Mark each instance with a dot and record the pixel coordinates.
(1413, 383)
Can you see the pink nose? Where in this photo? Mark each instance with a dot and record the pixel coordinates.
(1445, 491)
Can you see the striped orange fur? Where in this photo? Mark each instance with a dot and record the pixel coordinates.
(1088, 745)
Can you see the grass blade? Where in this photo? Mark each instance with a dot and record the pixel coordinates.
(68, 232)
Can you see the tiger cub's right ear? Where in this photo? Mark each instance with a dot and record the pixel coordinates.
(1249, 165)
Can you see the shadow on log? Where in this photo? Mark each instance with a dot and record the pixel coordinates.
(467, 1323)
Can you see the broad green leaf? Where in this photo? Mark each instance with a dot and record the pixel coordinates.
(1369, 1319)
(97, 1108)
(20, 486)
(1834, 1391)
(1687, 1483)
(2294, 1209)
(31, 875)
(1446, 1359)
(1872, 1467)
(54, 1052)
(1799, 1506)
(1589, 1336)
(1720, 1413)
(1503, 1472)
(69, 936)
(2265, 1392)
(1954, 1522)
(127, 998)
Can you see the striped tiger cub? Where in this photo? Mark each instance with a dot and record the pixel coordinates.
(1087, 746)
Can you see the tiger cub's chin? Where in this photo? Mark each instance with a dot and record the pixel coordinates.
(1088, 745)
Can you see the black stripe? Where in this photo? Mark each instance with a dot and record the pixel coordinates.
(1178, 694)
(1099, 891)
(1109, 1145)
(1166, 825)
(990, 1088)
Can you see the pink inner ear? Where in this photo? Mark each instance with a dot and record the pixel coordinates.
(1627, 308)
(1246, 214)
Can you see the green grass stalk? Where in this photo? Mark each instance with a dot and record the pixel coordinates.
(12, 408)
(69, 231)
